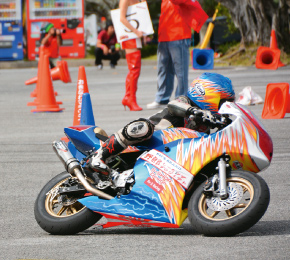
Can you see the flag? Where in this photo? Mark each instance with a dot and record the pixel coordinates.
(193, 13)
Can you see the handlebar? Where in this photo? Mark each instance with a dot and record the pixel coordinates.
(214, 120)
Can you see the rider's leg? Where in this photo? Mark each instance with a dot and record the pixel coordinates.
(134, 132)
(111, 147)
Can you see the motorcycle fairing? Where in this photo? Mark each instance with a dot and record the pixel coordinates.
(155, 197)
(240, 140)
(83, 138)
(119, 220)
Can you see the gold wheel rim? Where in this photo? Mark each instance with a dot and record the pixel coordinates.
(54, 208)
(248, 194)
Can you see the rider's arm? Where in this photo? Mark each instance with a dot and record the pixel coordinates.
(179, 107)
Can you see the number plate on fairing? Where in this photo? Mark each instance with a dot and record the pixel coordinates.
(168, 166)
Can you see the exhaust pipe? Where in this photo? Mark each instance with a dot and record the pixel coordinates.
(74, 168)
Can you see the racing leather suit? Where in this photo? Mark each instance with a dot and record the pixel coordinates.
(176, 114)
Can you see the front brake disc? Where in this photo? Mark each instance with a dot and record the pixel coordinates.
(235, 194)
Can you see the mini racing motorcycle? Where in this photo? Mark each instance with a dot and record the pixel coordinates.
(209, 178)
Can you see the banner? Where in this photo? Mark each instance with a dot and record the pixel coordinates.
(168, 166)
(138, 16)
(91, 30)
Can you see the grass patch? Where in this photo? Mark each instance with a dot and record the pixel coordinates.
(235, 56)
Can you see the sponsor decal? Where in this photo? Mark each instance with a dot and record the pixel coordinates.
(199, 89)
(168, 166)
(80, 88)
(154, 185)
(124, 37)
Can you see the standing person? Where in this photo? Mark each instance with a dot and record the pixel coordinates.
(107, 47)
(133, 57)
(174, 36)
(51, 39)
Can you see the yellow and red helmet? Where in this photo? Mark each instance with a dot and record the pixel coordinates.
(210, 90)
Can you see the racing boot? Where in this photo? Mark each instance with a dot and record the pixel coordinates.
(98, 161)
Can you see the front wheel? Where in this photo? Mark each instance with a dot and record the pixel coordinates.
(62, 215)
(247, 202)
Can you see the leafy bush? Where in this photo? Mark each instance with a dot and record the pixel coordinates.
(149, 50)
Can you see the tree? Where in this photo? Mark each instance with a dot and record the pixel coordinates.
(101, 7)
(256, 18)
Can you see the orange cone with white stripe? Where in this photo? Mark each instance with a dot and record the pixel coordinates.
(82, 87)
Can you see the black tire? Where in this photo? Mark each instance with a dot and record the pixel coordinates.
(77, 218)
(255, 196)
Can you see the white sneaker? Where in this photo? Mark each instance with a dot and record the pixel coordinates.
(100, 67)
(155, 105)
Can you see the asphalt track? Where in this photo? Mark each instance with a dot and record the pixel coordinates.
(28, 162)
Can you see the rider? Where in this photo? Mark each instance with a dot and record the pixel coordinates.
(204, 97)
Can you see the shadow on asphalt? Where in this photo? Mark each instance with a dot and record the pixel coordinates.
(185, 229)
(262, 228)
(268, 228)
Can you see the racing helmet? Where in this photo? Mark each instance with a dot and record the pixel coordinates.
(210, 90)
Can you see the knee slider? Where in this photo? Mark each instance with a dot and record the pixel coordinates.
(138, 130)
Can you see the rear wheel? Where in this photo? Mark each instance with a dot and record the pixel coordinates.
(61, 214)
(247, 202)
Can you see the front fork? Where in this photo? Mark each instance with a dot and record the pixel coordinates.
(222, 168)
(219, 180)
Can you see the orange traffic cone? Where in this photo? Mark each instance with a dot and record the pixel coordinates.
(63, 75)
(47, 102)
(82, 87)
(274, 45)
(37, 90)
(267, 58)
(276, 101)
(273, 40)
(39, 73)
(59, 72)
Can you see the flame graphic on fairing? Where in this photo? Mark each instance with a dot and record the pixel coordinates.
(233, 141)
(171, 195)
(174, 134)
(131, 149)
(172, 198)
